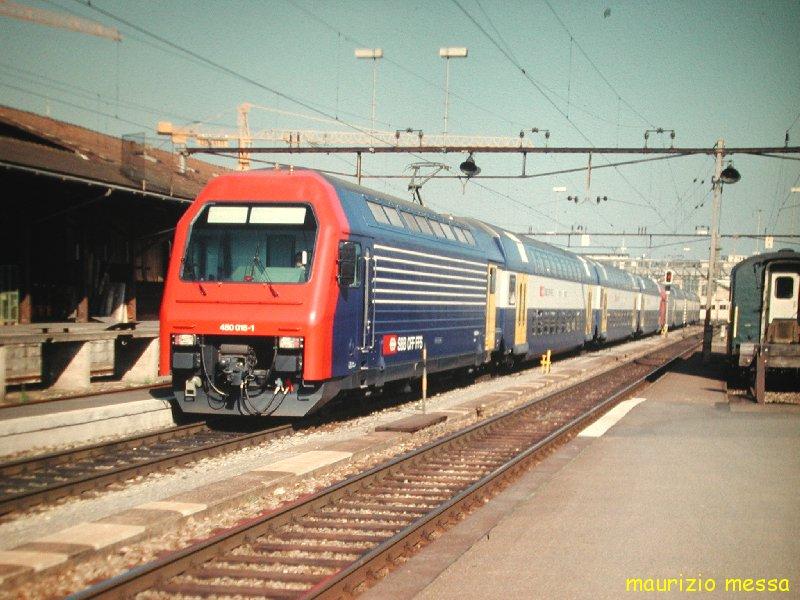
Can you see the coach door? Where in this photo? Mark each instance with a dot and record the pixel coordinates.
(783, 296)
(491, 310)
(603, 310)
(589, 324)
(521, 328)
(367, 325)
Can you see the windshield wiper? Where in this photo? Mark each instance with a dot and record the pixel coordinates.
(256, 262)
(188, 264)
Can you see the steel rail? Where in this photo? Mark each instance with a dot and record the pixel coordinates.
(82, 483)
(157, 572)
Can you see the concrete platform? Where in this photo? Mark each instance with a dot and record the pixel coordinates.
(61, 358)
(681, 488)
(414, 423)
(82, 420)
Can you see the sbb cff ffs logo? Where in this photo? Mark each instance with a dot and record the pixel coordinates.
(392, 344)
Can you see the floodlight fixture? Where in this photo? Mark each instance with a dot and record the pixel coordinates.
(373, 53)
(729, 175)
(453, 52)
(469, 168)
(447, 54)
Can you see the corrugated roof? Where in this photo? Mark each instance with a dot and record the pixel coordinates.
(34, 141)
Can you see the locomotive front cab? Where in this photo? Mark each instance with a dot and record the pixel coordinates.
(250, 296)
(231, 249)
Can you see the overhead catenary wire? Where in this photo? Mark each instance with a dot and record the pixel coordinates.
(72, 104)
(515, 201)
(389, 60)
(195, 58)
(775, 215)
(87, 94)
(558, 109)
(797, 118)
(310, 106)
(572, 40)
(233, 73)
(537, 84)
(691, 189)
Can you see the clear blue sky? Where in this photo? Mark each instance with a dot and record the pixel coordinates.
(708, 69)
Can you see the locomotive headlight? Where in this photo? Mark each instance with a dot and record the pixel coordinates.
(184, 339)
(290, 343)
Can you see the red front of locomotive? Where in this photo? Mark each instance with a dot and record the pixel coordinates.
(250, 297)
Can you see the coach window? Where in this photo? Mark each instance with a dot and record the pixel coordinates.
(512, 290)
(394, 218)
(469, 238)
(378, 213)
(411, 221)
(424, 226)
(448, 231)
(437, 229)
(459, 234)
(784, 287)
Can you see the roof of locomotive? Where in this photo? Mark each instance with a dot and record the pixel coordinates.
(763, 259)
(354, 198)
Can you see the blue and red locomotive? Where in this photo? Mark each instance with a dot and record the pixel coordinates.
(286, 288)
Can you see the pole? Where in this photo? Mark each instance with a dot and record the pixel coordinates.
(446, 90)
(374, 85)
(758, 232)
(708, 332)
(424, 378)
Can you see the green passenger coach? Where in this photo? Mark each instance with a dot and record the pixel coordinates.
(764, 331)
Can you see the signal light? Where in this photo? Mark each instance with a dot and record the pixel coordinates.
(668, 276)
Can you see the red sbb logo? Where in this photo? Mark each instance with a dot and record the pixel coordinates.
(389, 344)
(392, 344)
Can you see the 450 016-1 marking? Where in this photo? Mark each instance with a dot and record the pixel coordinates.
(237, 327)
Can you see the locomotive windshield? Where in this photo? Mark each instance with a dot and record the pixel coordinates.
(251, 243)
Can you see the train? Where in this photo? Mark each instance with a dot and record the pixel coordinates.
(764, 328)
(286, 288)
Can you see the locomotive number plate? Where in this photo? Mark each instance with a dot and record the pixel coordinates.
(237, 327)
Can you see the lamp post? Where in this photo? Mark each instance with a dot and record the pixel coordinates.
(729, 175)
(375, 54)
(447, 54)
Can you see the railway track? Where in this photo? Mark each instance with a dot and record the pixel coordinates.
(44, 478)
(332, 542)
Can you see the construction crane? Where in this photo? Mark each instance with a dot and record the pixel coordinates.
(55, 19)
